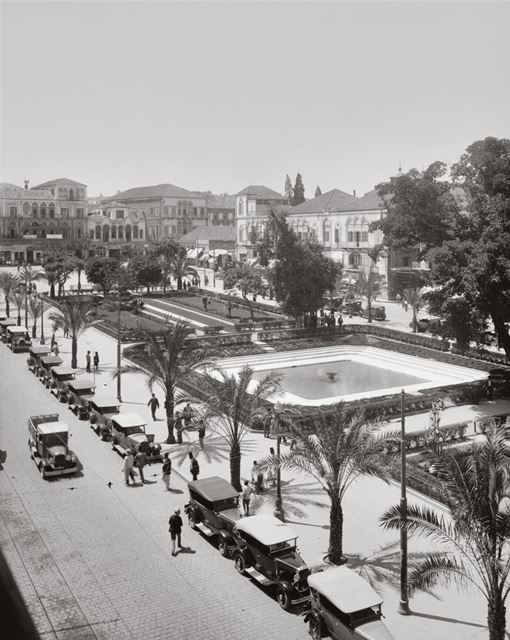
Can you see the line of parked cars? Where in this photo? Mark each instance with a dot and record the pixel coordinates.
(353, 307)
(338, 602)
(17, 338)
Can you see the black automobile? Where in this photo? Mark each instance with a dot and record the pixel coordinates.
(101, 411)
(213, 509)
(266, 551)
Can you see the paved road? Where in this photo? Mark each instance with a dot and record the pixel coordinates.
(94, 562)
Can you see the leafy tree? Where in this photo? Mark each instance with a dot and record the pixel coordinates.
(99, 271)
(50, 272)
(475, 532)
(343, 447)
(230, 408)
(168, 361)
(318, 191)
(74, 316)
(368, 284)
(460, 321)
(247, 278)
(298, 192)
(415, 299)
(288, 189)
(166, 251)
(267, 242)
(182, 267)
(146, 271)
(8, 283)
(28, 277)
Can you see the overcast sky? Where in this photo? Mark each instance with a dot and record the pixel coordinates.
(219, 95)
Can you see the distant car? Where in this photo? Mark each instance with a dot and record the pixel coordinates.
(428, 324)
(101, 412)
(378, 313)
(79, 392)
(128, 434)
(59, 376)
(336, 306)
(7, 322)
(44, 369)
(352, 307)
(344, 607)
(266, 551)
(18, 339)
(213, 509)
(34, 353)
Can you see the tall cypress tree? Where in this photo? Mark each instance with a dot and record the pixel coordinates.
(299, 191)
(318, 191)
(288, 188)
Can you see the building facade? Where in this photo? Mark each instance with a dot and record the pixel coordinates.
(221, 211)
(116, 231)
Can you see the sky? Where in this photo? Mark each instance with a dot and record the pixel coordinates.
(220, 95)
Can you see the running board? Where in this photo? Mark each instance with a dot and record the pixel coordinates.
(205, 530)
(261, 579)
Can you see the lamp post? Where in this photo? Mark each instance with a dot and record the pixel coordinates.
(403, 607)
(119, 398)
(42, 341)
(278, 508)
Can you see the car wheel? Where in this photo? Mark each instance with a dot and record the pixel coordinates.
(44, 475)
(192, 521)
(223, 547)
(283, 597)
(315, 629)
(240, 564)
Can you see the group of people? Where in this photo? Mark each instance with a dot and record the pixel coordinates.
(134, 463)
(88, 361)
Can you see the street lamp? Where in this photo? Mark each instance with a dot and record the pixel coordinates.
(119, 355)
(278, 509)
(42, 319)
(403, 607)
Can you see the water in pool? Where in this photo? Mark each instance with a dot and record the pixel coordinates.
(340, 378)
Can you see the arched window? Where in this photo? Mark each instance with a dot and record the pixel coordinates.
(91, 234)
(106, 233)
(26, 209)
(141, 234)
(43, 231)
(52, 211)
(43, 210)
(354, 260)
(71, 194)
(35, 209)
(121, 232)
(114, 233)
(78, 232)
(128, 233)
(98, 232)
(135, 232)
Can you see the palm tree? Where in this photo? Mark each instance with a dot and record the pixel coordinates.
(35, 306)
(368, 285)
(8, 282)
(168, 361)
(165, 251)
(342, 447)
(475, 532)
(79, 265)
(182, 268)
(17, 297)
(28, 277)
(74, 317)
(50, 271)
(231, 404)
(413, 298)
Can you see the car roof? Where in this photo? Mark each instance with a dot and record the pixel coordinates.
(214, 488)
(129, 420)
(344, 589)
(39, 349)
(15, 329)
(82, 384)
(62, 371)
(52, 427)
(8, 322)
(267, 529)
(51, 360)
(105, 401)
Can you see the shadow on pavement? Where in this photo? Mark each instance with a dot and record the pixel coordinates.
(295, 497)
(429, 616)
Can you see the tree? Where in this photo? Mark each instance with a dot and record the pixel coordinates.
(415, 299)
(460, 320)
(298, 192)
(146, 271)
(79, 266)
(28, 277)
(230, 408)
(168, 361)
(318, 191)
(166, 251)
(368, 285)
(50, 272)
(99, 271)
(74, 317)
(8, 283)
(17, 296)
(35, 306)
(182, 267)
(342, 447)
(58, 267)
(476, 530)
(288, 189)
(247, 278)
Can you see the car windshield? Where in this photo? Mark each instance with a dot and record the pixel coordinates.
(130, 431)
(227, 503)
(281, 546)
(365, 615)
(109, 409)
(54, 439)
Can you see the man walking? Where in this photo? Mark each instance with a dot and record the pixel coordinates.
(267, 423)
(153, 404)
(175, 527)
(140, 461)
(166, 471)
(194, 467)
(96, 362)
(128, 468)
(201, 433)
(247, 491)
(87, 359)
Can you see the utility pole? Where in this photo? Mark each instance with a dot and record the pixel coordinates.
(403, 607)
(42, 320)
(278, 508)
(119, 398)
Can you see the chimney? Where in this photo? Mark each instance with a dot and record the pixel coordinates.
(354, 192)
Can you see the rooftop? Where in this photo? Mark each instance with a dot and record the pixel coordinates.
(266, 529)
(153, 191)
(214, 488)
(259, 191)
(50, 183)
(334, 200)
(129, 420)
(367, 202)
(8, 190)
(344, 589)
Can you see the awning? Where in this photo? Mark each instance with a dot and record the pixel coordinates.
(218, 252)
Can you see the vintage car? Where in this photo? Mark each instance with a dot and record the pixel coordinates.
(34, 353)
(266, 551)
(213, 509)
(18, 339)
(8, 322)
(59, 377)
(352, 307)
(45, 364)
(428, 324)
(344, 607)
(101, 411)
(128, 434)
(48, 441)
(378, 312)
(79, 392)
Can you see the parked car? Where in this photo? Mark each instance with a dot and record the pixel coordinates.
(48, 441)
(352, 307)
(378, 312)
(213, 509)
(34, 353)
(79, 392)
(8, 322)
(128, 434)
(18, 339)
(45, 364)
(336, 306)
(266, 551)
(428, 324)
(59, 376)
(344, 607)
(101, 412)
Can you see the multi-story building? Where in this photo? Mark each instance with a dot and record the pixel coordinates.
(115, 231)
(253, 205)
(168, 211)
(35, 222)
(221, 210)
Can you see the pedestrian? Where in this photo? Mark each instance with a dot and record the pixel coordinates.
(88, 359)
(96, 361)
(187, 414)
(257, 477)
(340, 320)
(55, 349)
(398, 298)
(194, 467)
(204, 302)
(140, 461)
(153, 404)
(490, 389)
(128, 468)
(246, 495)
(166, 471)
(271, 470)
(201, 433)
(267, 423)
(175, 528)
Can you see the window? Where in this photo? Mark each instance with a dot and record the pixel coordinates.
(174, 211)
(121, 232)
(114, 233)
(152, 211)
(220, 215)
(98, 232)
(141, 234)
(337, 235)
(13, 212)
(252, 206)
(354, 260)
(91, 234)
(350, 236)
(79, 213)
(364, 236)
(64, 212)
(78, 232)
(128, 233)
(119, 214)
(405, 261)
(135, 232)
(52, 211)
(167, 210)
(195, 212)
(166, 230)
